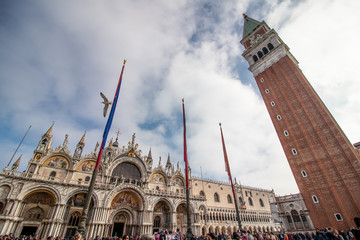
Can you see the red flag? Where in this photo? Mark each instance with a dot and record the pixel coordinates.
(227, 168)
(185, 149)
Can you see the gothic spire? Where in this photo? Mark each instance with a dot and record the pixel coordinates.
(149, 155)
(168, 163)
(16, 164)
(49, 131)
(82, 141)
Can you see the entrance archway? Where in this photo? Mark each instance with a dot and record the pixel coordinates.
(38, 205)
(162, 216)
(128, 206)
(181, 218)
(74, 208)
(121, 224)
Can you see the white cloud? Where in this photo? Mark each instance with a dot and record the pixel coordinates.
(61, 54)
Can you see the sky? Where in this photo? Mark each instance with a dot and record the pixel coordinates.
(57, 56)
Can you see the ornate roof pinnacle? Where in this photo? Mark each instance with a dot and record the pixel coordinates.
(149, 155)
(49, 131)
(82, 141)
(17, 163)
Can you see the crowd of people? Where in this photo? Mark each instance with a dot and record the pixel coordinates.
(319, 234)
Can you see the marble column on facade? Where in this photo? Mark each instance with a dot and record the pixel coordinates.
(292, 221)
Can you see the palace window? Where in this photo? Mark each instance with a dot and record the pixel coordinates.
(261, 203)
(229, 198)
(87, 179)
(216, 197)
(250, 202)
(255, 58)
(260, 54)
(202, 193)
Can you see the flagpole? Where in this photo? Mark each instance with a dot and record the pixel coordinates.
(189, 231)
(84, 216)
(18, 147)
(227, 167)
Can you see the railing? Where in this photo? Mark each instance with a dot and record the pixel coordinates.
(105, 183)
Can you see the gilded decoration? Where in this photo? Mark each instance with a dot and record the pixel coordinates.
(161, 207)
(79, 200)
(126, 199)
(57, 162)
(157, 178)
(177, 182)
(86, 166)
(38, 156)
(131, 154)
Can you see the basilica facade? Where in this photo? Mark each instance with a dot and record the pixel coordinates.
(132, 195)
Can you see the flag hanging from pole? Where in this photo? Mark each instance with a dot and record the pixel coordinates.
(110, 118)
(227, 168)
(185, 149)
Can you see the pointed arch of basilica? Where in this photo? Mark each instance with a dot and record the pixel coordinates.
(163, 212)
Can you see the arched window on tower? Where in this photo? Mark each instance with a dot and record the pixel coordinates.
(202, 193)
(270, 46)
(265, 50)
(260, 54)
(261, 203)
(229, 198)
(255, 58)
(216, 197)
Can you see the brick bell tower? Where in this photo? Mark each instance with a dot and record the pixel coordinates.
(324, 163)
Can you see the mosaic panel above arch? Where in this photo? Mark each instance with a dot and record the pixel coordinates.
(157, 178)
(57, 162)
(177, 182)
(127, 199)
(42, 197)
(88, 166)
